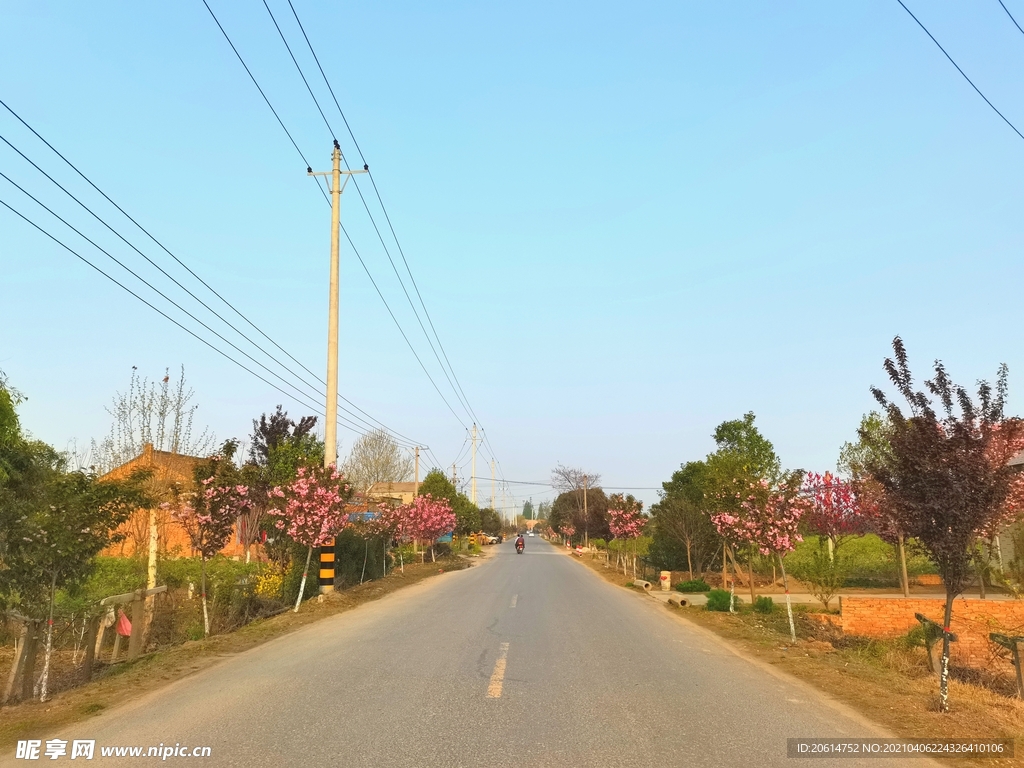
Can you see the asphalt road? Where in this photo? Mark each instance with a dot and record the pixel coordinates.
(527, 660)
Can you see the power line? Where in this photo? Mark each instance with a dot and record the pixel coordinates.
(309, 169)
(976, 88)
(461, 392)
(157, 266)
(155, 289)
(163, 271)
(186, 267)
(602, 486)
(366, 206)
(400, 329)
(159, 311)
(1011, 16)
(383, 208)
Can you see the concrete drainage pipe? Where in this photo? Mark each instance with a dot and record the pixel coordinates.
(645, 585)
(678, 601)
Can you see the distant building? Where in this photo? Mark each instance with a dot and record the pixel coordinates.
(167, 469)
(402, 493)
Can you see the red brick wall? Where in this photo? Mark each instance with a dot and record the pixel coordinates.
(973, 619)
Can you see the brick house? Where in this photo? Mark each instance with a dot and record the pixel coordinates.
(402, 493)
(167, 470)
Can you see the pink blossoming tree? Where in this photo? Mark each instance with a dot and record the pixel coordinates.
(391, 523)
(767, 520)
(208, 513)
(626, 521)
(311, 511)
(428, 518)
(568, 530)
(834, 512)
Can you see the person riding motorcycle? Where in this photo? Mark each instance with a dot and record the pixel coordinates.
(520, 543)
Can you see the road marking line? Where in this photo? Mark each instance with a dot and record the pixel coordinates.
(515, 599)
(498, 676)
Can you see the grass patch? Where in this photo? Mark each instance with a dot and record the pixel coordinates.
(693, 586)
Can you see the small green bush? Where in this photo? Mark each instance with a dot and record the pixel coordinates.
(763, 604)
(718, 600)
(696, 585)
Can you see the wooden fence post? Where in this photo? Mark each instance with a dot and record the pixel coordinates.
(138, 624)
(28, 667)
(94, 630)
(933, 632)
(17, 665)
(1012, 643)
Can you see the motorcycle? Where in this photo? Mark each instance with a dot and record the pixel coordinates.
(519, 547)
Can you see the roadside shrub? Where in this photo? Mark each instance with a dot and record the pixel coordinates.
(268, 583)
(718, 600)
(442, 549)
(667, 554)
(696, 585)
(763, 604)
(114, 576)
(351, 552)
(823, 573)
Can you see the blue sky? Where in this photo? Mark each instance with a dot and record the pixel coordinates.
(628, 222)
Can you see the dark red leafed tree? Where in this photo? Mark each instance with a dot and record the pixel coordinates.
(947, 478)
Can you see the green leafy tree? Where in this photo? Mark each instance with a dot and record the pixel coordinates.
(744, 457)
(439, 487)
(568, 509)
(53, 522)
(490, 521)
(528, 510)
(683, 517)
(279, 447)
(467, 515)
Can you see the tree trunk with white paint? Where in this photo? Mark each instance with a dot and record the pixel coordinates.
(789, 603)
(49, 641)
(302, 586)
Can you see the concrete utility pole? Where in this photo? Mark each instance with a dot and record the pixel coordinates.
(331, 421)
(473, 475)
(586, 516)
(416, 487)
(492, 483)
(454, 478)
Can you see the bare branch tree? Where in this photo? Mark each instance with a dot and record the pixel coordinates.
(572, 479)
(579, 483)
(376, 458)
(151, 413)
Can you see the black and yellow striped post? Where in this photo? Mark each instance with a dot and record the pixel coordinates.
(327, 567)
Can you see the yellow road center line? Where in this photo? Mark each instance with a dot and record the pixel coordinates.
(498, 676)
(515, 599)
